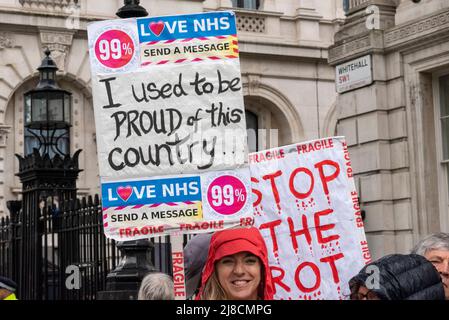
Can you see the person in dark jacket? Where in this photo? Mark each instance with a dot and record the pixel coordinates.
(398, 277)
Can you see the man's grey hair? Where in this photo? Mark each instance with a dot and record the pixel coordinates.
(156, 286)
(436, 241)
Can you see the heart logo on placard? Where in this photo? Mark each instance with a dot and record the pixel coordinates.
(125, 192)
(157, 27)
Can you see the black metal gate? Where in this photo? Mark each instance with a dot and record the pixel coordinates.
(68, 252)
(45, 256)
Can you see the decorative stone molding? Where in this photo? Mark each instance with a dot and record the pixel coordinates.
(250, 23)
(253, 83)
(54, 5)
(350, 48)
(431, 28)
(357, 5)
(307, 9)
(402, 34)
(4, 130)
(59, 44)
(6, 40)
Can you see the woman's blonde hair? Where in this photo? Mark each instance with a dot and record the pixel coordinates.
(213, 289)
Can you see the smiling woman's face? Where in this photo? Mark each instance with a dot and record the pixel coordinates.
(239, 275)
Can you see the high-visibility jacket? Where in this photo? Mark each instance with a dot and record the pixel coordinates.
(12, 296)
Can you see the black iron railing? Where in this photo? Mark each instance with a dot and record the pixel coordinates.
(45, 256)
(69, 253)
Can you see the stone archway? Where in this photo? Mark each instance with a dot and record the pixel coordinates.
(329, 127)
(20, 55)
(82, 136)
(275, 111)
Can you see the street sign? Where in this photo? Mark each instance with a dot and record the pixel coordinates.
(354, 74)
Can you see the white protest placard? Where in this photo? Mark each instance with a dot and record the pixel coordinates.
(170, 124)
(306, 207)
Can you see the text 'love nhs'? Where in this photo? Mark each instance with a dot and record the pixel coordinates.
(188, 26)
(151, 191)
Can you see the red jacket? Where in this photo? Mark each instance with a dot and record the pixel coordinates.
(232, 241)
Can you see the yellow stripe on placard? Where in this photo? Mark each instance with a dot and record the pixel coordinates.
(200, 210)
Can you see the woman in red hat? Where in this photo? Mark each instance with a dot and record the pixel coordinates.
(237, 267)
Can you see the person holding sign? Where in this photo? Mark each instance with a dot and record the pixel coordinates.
(237, 267)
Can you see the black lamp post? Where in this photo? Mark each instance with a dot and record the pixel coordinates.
(47, 111)
(48, 174)
(132, 9)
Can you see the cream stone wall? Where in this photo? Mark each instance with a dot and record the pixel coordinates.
(390, 125)
(409, 11)
(287, 80)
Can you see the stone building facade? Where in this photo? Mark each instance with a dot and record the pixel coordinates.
(398, 127)
(288, 84)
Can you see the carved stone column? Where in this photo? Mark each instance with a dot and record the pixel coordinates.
(366, 116)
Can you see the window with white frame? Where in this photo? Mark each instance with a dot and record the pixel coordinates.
(246, 4)
(444, 124)
(441, 96)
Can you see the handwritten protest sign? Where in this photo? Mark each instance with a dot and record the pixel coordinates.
(306, 207)
(170, 120)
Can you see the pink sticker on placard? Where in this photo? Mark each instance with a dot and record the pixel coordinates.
(227, 195)
(114, 49)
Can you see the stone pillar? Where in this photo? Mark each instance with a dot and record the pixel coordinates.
(360, 15)
(268, 5)
(225, 3)
(373, 119)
